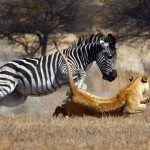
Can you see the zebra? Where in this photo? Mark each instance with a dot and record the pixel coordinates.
(109, 41)
(95, 38)
(43, 75)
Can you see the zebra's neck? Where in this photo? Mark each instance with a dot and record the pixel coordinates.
(82, 55)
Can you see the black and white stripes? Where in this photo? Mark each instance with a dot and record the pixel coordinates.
(40, 76)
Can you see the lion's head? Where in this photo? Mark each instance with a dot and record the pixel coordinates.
(141, 82)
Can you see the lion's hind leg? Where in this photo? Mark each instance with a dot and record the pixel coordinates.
(132, 109)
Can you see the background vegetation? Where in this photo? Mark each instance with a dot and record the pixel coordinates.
(41, 20)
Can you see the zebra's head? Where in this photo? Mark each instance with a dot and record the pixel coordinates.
(106, 55)
(106, 58)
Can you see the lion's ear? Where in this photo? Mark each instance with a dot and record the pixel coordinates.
(144, 79)
(131, 78)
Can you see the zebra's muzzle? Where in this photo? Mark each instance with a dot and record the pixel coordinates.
(111, 76)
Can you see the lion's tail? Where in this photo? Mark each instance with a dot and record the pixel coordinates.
(71, 82)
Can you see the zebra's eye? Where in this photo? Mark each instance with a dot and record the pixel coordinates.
(109, 56)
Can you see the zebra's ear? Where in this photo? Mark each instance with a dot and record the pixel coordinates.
(144, 79)
(111, 38)
(110, 35)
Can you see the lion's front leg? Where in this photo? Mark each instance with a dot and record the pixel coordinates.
(145, 100)
(60, 110)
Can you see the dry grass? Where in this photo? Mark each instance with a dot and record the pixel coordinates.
(87, 133)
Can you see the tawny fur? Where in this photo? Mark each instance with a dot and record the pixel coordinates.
(128, 100)
(145, 100)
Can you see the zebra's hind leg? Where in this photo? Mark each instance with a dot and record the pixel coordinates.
(11, 104)
(9, 97)
(6, 88)
(13, 100)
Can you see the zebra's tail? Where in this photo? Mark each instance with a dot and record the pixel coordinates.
(71, 81)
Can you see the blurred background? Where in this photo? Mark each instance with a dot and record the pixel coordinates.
(27, 29)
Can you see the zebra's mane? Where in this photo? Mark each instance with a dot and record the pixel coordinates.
(83, 40)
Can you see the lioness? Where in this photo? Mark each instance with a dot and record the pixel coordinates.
(128, 100)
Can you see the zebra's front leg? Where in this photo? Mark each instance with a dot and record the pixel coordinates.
(81, 75)
(83, 86)
(81, 78)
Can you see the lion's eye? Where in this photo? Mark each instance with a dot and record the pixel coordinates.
(130, 79)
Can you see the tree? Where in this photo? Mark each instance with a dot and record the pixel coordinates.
(36, 19)
(128, 18)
